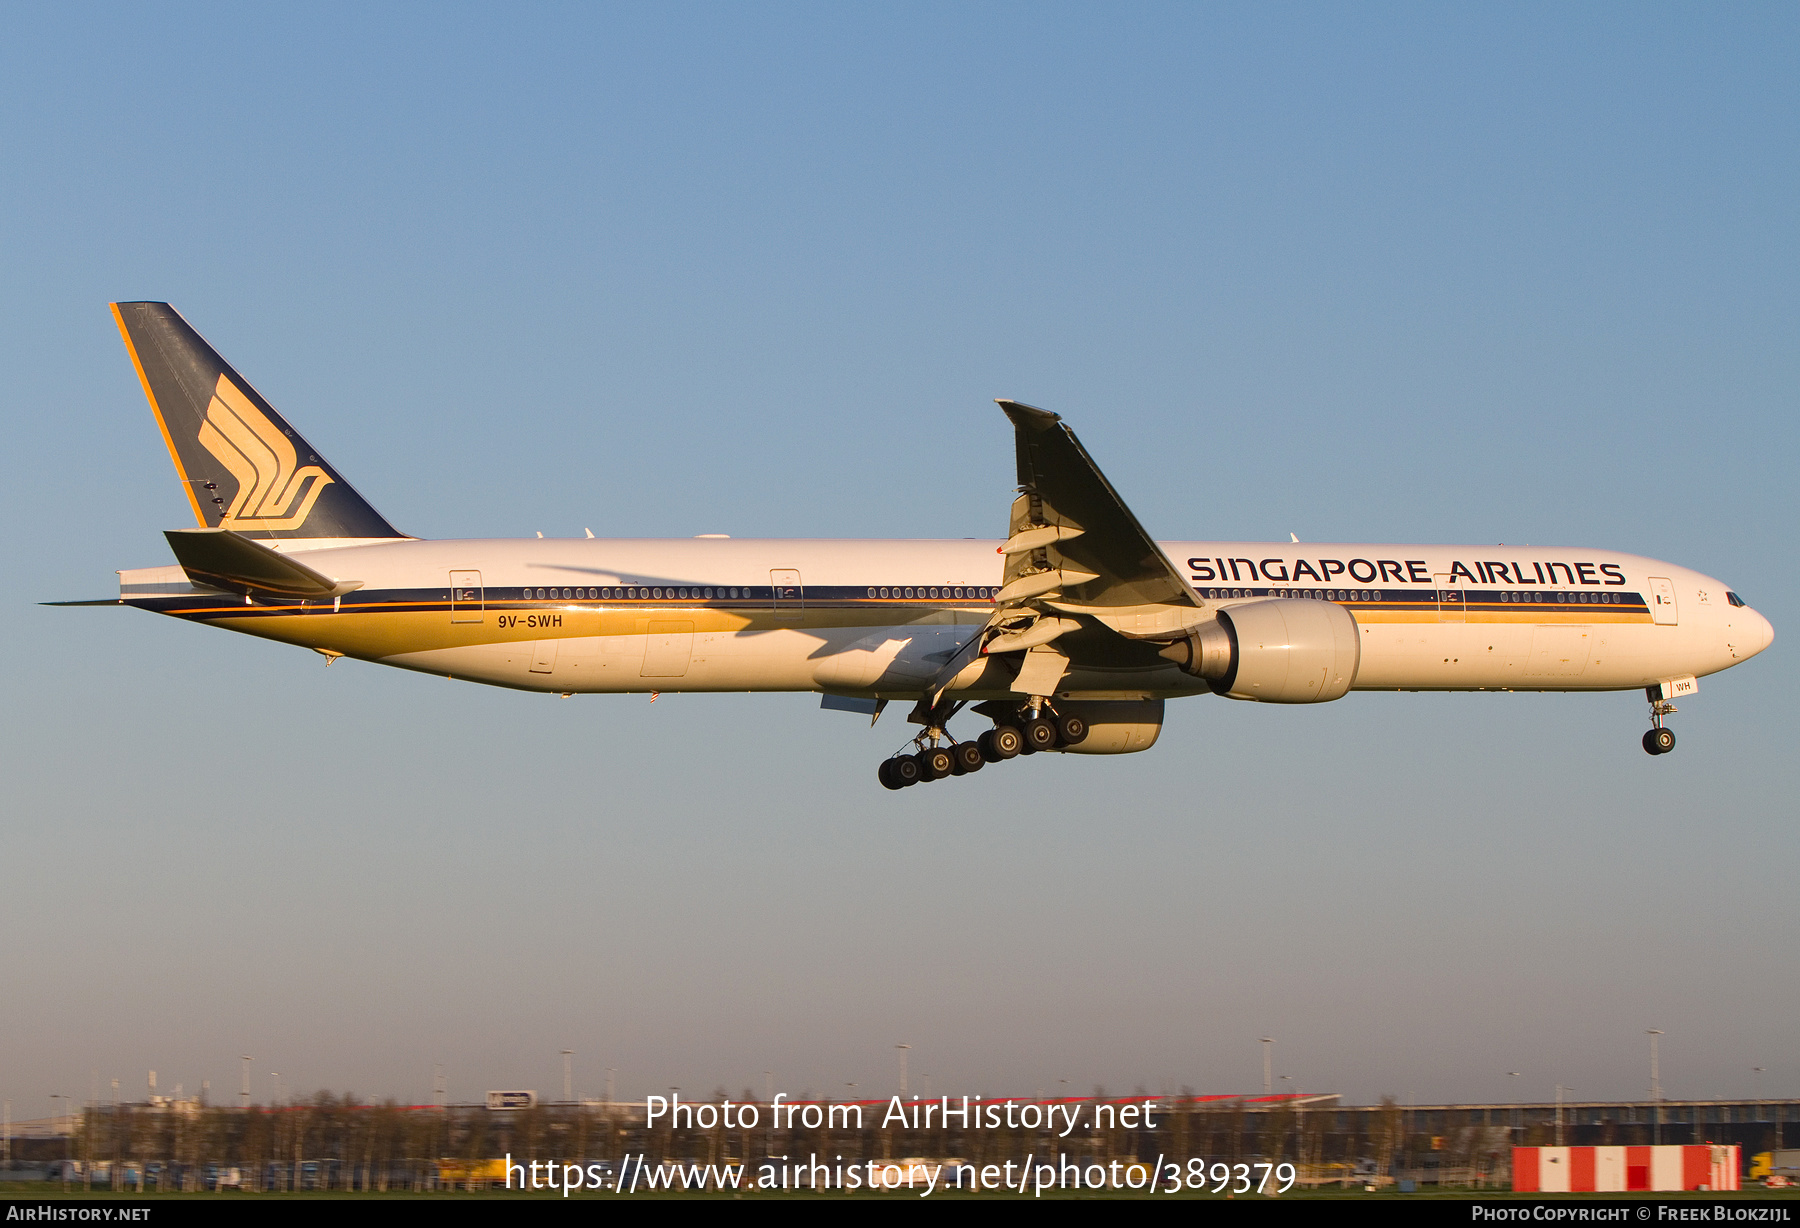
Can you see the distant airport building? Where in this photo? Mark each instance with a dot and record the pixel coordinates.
(326, 1142)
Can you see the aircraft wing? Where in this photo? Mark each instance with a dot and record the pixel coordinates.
(1068, 517)
(1085, 585)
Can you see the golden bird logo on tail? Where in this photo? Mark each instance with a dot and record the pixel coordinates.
(262, 460)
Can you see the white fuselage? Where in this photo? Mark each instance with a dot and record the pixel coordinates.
(880, 618)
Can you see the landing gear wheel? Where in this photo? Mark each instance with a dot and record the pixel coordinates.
(885, 774)
(1659, 741)
(934, 763)
(1070, 730)
(905, 769)
(1040, 735)
(968, 757)
(1000, 743)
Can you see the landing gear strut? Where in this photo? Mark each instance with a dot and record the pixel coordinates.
(1657, 739)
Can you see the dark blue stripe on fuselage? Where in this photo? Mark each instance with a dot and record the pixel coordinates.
(764, 599)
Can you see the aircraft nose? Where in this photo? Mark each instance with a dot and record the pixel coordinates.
(1760, 632)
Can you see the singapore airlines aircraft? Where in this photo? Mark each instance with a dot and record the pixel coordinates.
(1069, 635)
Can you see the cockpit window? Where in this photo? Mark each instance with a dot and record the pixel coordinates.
(1733, 598)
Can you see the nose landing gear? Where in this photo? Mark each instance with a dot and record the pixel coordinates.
(1657, 739)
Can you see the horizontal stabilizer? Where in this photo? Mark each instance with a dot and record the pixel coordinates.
(230, 561)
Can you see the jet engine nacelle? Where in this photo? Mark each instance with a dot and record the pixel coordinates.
(1288, 651)
(1115, 726)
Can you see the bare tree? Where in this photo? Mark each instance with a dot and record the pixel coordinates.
(1389, 1128)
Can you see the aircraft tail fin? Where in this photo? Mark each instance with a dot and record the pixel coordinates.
(244, 468)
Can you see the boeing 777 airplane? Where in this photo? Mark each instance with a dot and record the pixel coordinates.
(1068, 635)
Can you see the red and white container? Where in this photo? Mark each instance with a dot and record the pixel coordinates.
(1576, 1170)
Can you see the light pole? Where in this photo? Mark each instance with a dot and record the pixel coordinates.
(68, 1131)
(54, 1097)
(1560, 1089)
(1655, 1087)
(276, 1075)
(903, 1049)
(244, 1093)
(568, 1080)
(1268, 1082)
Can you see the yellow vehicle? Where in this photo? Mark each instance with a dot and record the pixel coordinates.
(467, 1172)
(1776, 1166)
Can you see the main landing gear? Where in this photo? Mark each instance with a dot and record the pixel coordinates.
(1031, 731)
(1657, 739)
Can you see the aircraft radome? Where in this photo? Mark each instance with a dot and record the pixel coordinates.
(1070, 634)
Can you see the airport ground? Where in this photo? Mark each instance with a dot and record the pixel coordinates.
(39, 1191)
(330, 1146)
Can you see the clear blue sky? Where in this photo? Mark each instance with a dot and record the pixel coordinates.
(1517, 273)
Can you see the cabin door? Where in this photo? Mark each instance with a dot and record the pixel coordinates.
(790, 597)
(1453, 604)
(1662, 601)
(466, 602)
